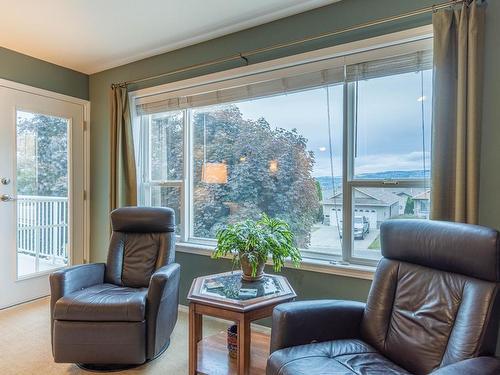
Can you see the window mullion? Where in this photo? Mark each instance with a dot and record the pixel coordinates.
(147, 162)
(184, 203)
(346, 175)
(191, 173)
(141, 162)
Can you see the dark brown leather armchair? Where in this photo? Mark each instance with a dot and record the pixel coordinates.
(433, 307)
(124, 311)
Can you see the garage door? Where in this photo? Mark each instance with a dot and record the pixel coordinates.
(334, 215)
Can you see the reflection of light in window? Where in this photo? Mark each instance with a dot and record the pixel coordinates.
(322, 148)
(421, 98)
(214, 173)
(273, 166)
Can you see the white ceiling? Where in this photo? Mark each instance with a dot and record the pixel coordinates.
(93, 35)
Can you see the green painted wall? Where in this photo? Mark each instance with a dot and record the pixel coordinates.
(332, 17)
(41, 74)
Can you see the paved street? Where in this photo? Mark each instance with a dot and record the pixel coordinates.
(325, 238)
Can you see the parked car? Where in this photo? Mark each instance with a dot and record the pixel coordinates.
(361, 227)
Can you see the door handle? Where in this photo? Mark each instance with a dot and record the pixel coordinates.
(7, 198)
(4, 180)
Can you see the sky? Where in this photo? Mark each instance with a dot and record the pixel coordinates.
(389, 131)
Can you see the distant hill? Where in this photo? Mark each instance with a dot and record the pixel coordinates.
(327, 183)
(394, 175)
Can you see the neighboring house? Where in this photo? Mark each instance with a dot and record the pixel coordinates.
(422, 204)
(403, 194)
(402, 199)
(375, 204)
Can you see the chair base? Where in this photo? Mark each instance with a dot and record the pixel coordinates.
(102, 367)
(106, 368)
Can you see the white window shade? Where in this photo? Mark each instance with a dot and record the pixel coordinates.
(249, 91)
(407, 63)
(406, 57)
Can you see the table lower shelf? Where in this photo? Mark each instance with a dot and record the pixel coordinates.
(214, 359)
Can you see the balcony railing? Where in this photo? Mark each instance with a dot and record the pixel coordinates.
(42, 228)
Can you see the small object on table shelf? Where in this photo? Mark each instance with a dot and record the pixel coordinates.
(232, 341)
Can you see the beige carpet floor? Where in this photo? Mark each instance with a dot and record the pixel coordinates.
(25, 344)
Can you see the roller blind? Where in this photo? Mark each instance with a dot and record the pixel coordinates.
(407, 63)
(261, 85)
(245, 92)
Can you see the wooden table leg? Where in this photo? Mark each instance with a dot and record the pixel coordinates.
(195, 336)
(243, 345)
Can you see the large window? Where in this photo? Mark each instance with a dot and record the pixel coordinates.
(334, 151)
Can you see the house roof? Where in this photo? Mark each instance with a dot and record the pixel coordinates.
(425, 195)
(409, 192)
(375, 196)
(401, 193)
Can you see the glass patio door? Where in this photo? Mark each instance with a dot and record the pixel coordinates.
(41, 191)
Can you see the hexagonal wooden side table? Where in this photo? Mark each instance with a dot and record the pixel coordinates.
(226, 296)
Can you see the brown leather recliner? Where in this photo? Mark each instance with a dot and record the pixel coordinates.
(433, 307)
(124, 311)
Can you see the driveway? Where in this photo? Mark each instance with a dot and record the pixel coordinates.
(326, 239)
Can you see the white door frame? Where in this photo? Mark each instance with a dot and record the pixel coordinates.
(86, 147)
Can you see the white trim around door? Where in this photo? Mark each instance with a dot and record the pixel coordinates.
(23, 100)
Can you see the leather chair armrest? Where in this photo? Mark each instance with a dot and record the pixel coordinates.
(162, 307)
(69, 279)
(473, 366)
(163, 281)
(299, 323)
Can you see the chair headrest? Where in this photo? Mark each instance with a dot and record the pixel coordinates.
(470, 250)
(143, 220)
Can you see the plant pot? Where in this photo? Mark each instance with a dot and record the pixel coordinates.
(246, 267)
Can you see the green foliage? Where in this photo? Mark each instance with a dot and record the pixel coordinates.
(320, 217)
(256, 240)
(375, 245)
(42, 159)
(410, 206)
(166, 146)
(222, 135)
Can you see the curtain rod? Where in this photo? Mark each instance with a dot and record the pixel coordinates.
(244, 55)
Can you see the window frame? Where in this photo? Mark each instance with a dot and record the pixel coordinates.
(363, 50)
(350, 183)
(144, 181)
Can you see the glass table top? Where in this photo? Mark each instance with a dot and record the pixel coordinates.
(232, 287)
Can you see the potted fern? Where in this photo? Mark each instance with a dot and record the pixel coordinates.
(252, 242)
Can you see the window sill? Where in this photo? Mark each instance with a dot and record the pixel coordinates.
(322, 266)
